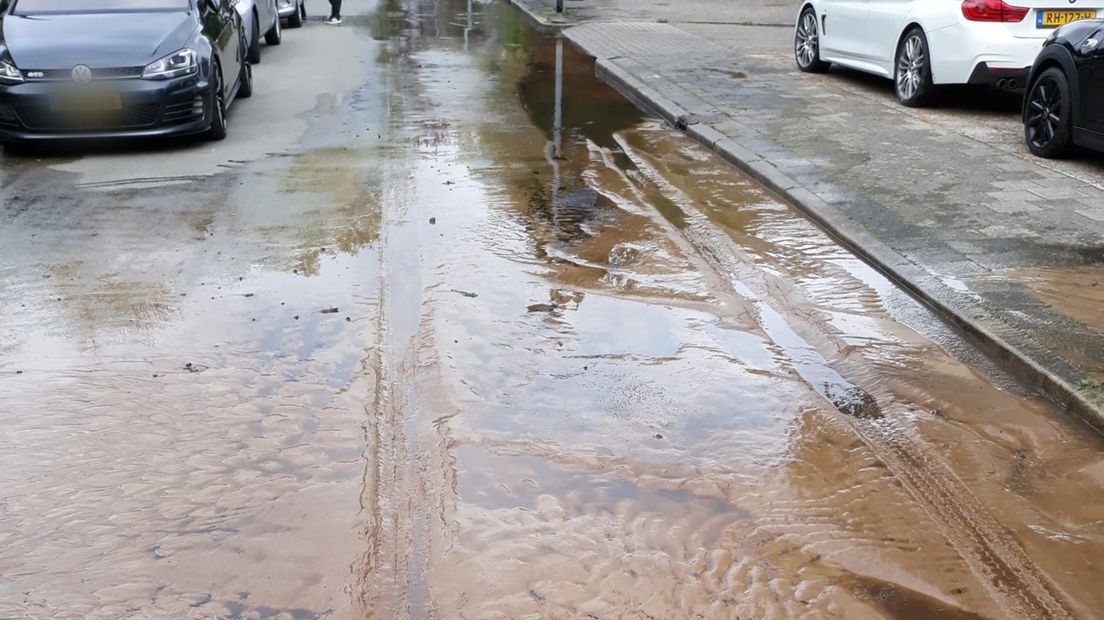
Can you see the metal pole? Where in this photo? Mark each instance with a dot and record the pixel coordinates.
(552, 151)
(557, 121)
(468, 28)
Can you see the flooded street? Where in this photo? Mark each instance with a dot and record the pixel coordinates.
(463, 334)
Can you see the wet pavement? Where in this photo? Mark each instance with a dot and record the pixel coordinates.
(963, 217)
(423, 350)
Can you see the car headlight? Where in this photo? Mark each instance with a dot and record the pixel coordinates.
(9, 73)
(184, 62)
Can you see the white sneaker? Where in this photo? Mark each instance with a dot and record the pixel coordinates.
(334, 21)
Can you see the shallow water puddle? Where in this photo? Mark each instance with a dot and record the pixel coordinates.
(467, 353)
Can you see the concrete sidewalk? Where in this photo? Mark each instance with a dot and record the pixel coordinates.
(945, 201)
(735, 12)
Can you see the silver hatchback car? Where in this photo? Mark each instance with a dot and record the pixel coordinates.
(260, 18)
(294, 11)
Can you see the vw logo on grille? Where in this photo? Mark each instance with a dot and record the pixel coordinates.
(82, 74)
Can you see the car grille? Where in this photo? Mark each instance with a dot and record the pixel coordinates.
(56, 75)
(8, 119)
(183, 110)
(130, 117)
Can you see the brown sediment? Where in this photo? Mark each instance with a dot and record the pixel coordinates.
(661, 393)
(1075, 292)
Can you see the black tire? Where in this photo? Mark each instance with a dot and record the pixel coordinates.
(276, 33)
(254, 53)
(245, 81)
(217, 130)
(912, 76)
(296, 19)
(807, 43)
(1048, 115)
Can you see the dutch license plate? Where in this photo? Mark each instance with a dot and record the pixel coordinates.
(88, 102)
(1053, 19)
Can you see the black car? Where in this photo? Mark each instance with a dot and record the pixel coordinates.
(119, 68)
(1064, 101)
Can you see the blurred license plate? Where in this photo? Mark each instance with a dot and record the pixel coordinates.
(88, 102)
(1053, 19)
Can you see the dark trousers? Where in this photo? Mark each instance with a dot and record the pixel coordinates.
(335, 8)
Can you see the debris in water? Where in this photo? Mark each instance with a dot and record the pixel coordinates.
(194, 368)
(465, 293)
(855, 402)
(543, 308)
(330, 310)
(658, 436)
(432, 220)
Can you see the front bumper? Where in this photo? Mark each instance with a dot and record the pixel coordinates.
(149, 109)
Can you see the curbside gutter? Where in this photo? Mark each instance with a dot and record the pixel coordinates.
(967, 316)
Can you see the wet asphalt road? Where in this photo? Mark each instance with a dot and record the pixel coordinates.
(399, 348)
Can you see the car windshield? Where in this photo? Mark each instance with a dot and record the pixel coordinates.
(43, 7)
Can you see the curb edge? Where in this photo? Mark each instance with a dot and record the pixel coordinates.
(910, 277)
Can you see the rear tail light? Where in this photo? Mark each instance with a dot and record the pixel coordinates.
(993, 11)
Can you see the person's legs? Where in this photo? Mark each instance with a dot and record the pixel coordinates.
(335, 12)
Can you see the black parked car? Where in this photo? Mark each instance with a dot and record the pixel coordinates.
(1064, 104)
(119, 68)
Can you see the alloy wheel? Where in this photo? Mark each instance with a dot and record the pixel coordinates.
(220, 102)
(910, 67)
(1044, 112)
(806, 45)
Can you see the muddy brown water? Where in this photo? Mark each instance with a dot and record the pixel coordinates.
(613, 379)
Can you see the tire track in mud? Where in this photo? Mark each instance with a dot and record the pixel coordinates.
(410, 472)
(988, 549)
(396, 499)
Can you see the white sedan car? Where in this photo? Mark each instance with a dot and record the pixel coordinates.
(923, 43)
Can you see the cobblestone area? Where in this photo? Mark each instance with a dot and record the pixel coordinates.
(948, 200)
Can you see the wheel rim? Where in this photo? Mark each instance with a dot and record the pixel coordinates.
(220, 102)
(910, 67)
(806, 41)
(1044, 112)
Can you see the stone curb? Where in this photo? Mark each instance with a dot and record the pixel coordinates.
(541, 23)
(966, 316)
